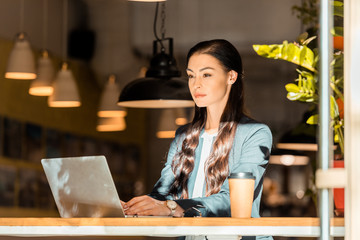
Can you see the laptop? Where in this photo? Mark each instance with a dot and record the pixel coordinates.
(83, 187)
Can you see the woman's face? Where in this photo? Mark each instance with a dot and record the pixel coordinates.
(209, 83)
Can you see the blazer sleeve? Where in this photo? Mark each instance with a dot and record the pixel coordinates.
(254, 157)
(162, 186)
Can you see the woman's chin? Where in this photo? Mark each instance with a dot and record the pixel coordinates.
(200, 105)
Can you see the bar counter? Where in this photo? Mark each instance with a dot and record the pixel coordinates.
(213, 228)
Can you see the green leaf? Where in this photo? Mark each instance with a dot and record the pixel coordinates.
(317, 57)
(338, 61)
(314, 119)
(291, 87)
(334, 109)
(337, 3)
(338, 8)
(292, 96)
(307, 41)
(307, 75)
(291, 53)
(300, 55)
(307, 58)
(302, 37)
(337, 31)
(268, 51)
(311, 99)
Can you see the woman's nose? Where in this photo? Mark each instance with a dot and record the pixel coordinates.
(197, 83)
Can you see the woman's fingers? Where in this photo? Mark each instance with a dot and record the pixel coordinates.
(123, 204)
(145, 205)
(138, 204)
(139, 210)
(136, 200)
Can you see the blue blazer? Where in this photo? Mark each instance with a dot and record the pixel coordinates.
(250, 153)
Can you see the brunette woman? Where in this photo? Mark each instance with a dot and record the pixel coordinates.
(221, 139)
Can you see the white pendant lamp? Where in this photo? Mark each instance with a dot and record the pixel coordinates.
(21, 63)
(167, 126)
(42, 85)
(108, 102)
(65, 93)
(111, 124)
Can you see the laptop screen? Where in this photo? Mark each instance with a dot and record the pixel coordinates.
(83, 187)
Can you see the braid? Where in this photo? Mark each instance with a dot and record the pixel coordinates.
(217, 165)
(183, 162)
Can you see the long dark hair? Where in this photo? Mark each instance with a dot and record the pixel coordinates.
(216, 166)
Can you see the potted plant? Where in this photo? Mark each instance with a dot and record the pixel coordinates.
(304, 54)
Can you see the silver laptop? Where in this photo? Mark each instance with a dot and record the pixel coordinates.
(83, 187)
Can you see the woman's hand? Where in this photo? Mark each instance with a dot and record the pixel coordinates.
(123, 204)
(148, 206)
(145, 206)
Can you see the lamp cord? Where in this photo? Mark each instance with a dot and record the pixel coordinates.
(45, 25)
(64, 43)
(162, 27)
(22, 8)
(163, 18)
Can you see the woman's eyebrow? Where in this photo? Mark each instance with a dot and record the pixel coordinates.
(202, 69)
(206, 68)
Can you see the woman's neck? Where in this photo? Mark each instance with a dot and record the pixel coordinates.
(212, 121)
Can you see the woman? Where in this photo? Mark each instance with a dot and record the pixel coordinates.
(220, 140)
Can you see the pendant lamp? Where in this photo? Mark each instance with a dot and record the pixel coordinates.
(167, 126)
(170, 120)
(65, 93)
(161, 87)
(21, 63)
(111, 124)
(42, 85)
(108, 106)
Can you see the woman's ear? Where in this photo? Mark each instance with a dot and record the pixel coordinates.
(232, 76)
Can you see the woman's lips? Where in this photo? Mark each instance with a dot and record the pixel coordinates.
(199, 95)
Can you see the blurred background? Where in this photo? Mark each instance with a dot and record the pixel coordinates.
(108, 42)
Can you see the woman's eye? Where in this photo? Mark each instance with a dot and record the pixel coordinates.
(190, 76)
(207, 75)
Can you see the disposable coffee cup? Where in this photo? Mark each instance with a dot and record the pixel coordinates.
(241, 187)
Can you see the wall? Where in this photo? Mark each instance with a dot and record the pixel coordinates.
(242, 22)
(111, 21)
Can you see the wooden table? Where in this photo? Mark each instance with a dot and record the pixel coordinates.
(213, 228)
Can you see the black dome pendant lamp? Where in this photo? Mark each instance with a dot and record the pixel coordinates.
(161, 87)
